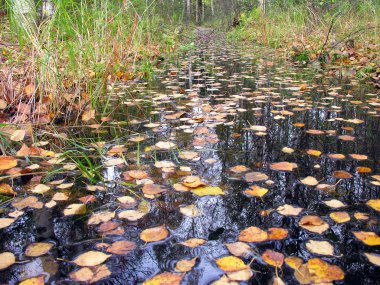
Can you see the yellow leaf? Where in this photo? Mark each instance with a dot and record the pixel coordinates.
(231, 264)
(374, 203)
(154, 234)
(38, 249)
(165, 278)
(208, 191)
(91, 258)
(6, 259)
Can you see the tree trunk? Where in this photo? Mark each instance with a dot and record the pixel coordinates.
(212, 8)
(188, 11)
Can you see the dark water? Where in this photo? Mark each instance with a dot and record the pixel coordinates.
(225, 89)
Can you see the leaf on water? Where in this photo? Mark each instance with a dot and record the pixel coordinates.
(7, 162)
(165, 145)
(346, 138)
(320, 247)
(75, 209)
(337, 156)
(240, 249)
(289, 210)
(277, 233)
(374, 204)
(224, 280)
(359, 156)
(152, 189)
(231, 264)
(363, 169)
(287, 150)
(90, 274)
(30, 201)
(38, 249)
(294, 262)
(6, 222)
(278, 281)
(315, 132)
(361, 216)
(208, 191)
(273, 258)
(310, 181)
(185, 265)
(6, 259)
(190, 211)
(114, 162)
(154, 234)
(342, 174)
(40, 189)
(136, 174)
(241, 275)
(256, 191)
(91, 258)
(283, 166)
(188, 155)
(340, 217)
(37, 280)
(131, 215)
(334, 203)
(314, 152)
(372, 257)
(60, 197)
(239, 169)
(122, 247)
(253, 234)
(193, 182)
(314, 224)
(255, 177)
(369, 238)
(193, 242)
(318, 271)
(100, 217)
(6, 189)
(165, 278)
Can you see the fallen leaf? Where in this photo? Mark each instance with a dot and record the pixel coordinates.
(310, 181)
(240, 249)
(100, 217)
(154, 234)
(18, 135)
(341, 174)
(253, 234)
(193, 182)
(369, 238)
(6, 222)
(121, 247)
(190, 211)
(334, 204)
(208, 191)
(7, 162)
(340, 217)
(314, 224)
(185, 265)
(231, 264)
(373, 258)
(255, 177)
(91, 258)
(75, 209)
(7, 259)
(294, 262)
(165, 278)
(283, 166)
(273, 258)
(373, 203)
(193, 242)
(131, 215)
(6, 189)
(256, 191)
(37, 280)
(320, 247)
(289, 210)
(38, 249)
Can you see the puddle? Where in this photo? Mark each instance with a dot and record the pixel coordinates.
(209, 110)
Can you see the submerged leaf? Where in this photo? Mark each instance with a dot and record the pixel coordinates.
(91, 258)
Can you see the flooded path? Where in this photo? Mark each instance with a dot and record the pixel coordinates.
(245, 167)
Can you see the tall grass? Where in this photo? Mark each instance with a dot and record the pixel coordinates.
(289, 22)
(71, 56)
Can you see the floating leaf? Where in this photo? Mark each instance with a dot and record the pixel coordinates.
(340, 217)
(91, 274)
(190, 211)
(255, 177)
(294, 262)
(256, 191)
(369, 238)
(240, 249)
(253, 234)
(30, 201)
(287, 150)
(241, 275)
(6, 189)
(185, 265)
(320, 247)
(314, 152)
(289, 210)
(341, 174)
(101, 217)
(273, 258)
(165, 145)
(231, 264)
(193, 242)
(318, 271)
(193, 182)
(277, 233)
(91, 258)
(374, 203)
(131, 215)
(165, 278)
(7, 259)
(40, 189)
(37, 280)
(152, 189)
(6, 222)
(373, 258)
(114, 162)
(154, 234)
(239, 169)
(208, 191)
(121, 247)
(310, 181)
(334, 203)
(75, 209)
(314, 224)
(38, 249)
(283, 166)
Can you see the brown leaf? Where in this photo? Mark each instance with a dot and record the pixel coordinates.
(273, 258)
(121, 247)
(165, 278)
(253, 234)
(154, 234)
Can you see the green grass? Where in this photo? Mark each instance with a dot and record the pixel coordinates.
(84, 46)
